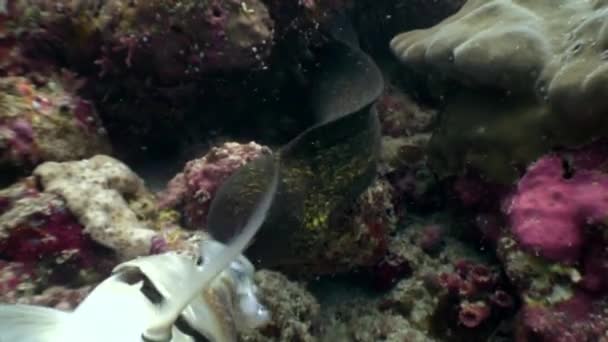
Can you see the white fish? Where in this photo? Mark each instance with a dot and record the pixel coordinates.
(146, 298)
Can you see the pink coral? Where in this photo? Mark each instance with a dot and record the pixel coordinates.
(551, 209)
(471, 315)
(474, 290)
(194, 188)
(576, 319)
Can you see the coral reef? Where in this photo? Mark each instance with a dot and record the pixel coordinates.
(158, 39)
(294, 311)
(358, 321)
(400, 115)
(16, 281)
(21, 283)
(517, 79)
(476, 290)
(195, 37)
(149, 66)
(95, 191)
(46, 121)
(558, 304)
(554, 250)
(463, 199)
(192, 190)
(40, 233)
(424, 303)
(406, 132)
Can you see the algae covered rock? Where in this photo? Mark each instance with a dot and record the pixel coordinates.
(47, 122)
(171, 41)
(177, 39)
(520, 76)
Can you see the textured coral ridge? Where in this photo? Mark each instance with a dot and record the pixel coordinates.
(540, 67)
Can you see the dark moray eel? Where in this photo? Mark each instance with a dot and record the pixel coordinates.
(322, 170)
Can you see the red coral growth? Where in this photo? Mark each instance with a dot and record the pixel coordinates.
(471, 315)
(482, 276)
(57, 235)
(475, 289)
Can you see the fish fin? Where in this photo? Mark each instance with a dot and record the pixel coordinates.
(28, 323)
(199, 280)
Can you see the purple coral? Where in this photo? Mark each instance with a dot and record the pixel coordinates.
(194, 188)
(551, 209)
